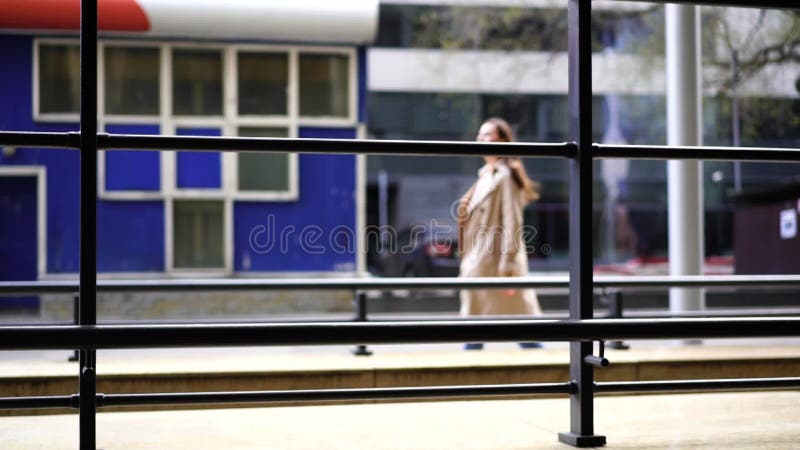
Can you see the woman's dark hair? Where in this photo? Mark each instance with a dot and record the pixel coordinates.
(506, 134)
(504, 130)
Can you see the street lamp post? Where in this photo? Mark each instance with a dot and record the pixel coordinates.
(737, 165)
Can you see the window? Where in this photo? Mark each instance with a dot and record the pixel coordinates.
(131, 80)
(200, 89)
(279, 84)
(59, 78)
(324, 85)
(197, 82)
(263, 83)
(263, 171)
(198, 234)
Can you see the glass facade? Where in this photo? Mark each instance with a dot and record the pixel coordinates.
(509, 28)
(630, 196)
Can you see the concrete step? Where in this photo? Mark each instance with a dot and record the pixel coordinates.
(254, 369)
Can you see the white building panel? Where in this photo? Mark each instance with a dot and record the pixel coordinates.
(341, 21)
(422, 70)
(468, 71)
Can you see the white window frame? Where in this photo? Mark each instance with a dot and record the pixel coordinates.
(39, 116)
(332, 121)
(291, 122)
(228, 124)
(126, 119)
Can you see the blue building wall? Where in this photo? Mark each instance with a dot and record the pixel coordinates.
(132, 169)
(315, 233)
(199, 170)
(18, 237)
(131, 233)
(130, 236)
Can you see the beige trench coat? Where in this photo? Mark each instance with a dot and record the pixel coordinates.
(492, 244)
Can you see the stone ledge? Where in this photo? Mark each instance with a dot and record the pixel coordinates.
(399, 371)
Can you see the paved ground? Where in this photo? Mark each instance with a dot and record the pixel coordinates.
(697, 421)
(34, 363)
(753, 420)
(765, 420)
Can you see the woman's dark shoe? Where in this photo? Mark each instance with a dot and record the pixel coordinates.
(529, 345)
(473, 346)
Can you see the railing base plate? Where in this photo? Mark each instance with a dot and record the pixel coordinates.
(580, 440)
(618, 345)
(362, 350)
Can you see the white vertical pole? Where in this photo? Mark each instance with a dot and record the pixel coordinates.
(361, 207)
(684, 178)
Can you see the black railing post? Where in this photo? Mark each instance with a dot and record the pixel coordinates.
(88, 220)
(76, 320)
(579, 20)
(613, 299)
(360, 300)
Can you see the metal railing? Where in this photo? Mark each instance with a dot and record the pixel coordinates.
(354, 284)
(608, 289)
(581, 330)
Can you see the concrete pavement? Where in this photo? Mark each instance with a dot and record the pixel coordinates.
(763, 420)
(746, 420)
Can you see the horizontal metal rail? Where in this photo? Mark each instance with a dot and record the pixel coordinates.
(207, 398)
(451, 317)
(334, 394)
(223, 284)
(240, 284)
(50, 401)
(345, 146)
(697, 385)
(421, 317)
(715, 312)
(71, 140)
(386, 332)
(757, 154)
(695, 281)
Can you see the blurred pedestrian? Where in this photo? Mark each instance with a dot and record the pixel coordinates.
(490, 232)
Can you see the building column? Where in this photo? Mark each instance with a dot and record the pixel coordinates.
(684, 178)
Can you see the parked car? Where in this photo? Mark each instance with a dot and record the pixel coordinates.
(420, 252)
